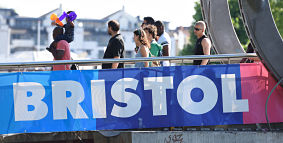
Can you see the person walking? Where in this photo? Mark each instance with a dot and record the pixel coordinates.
(203, 44)
(115, 48)
(143, 50)
(164, 40)
(155, 48)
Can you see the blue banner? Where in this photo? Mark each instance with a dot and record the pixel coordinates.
(56, 101)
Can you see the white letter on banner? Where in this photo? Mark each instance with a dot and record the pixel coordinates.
(210, 94)
(22, 100)
(230, 102)
(158, 85)
(132, 100)
(61, 102)
(98, 98)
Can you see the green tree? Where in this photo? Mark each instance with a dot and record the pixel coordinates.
(277, 12)
(189, 49)
(236, 20)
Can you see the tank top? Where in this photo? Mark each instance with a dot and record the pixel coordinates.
(138, 55)
(199, 49)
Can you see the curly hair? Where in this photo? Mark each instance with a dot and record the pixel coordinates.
(142, 37)
(152, 30)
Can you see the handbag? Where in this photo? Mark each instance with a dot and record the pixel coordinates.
(74, 67)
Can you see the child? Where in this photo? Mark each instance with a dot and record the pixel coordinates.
(68, 34)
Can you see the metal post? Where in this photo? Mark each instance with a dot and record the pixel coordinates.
(38, 35)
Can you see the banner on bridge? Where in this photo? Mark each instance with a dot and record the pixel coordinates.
(56, 101)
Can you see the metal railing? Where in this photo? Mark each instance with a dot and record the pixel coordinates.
(177, 59)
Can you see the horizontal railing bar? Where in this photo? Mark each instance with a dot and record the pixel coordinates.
(125, 60)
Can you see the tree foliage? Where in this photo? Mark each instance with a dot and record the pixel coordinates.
(237, 21)
(277, 12)
(189, 49)
(276, 8)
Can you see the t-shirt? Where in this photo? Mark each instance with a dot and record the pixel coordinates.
(63, 45)
(115, 48)
(164, 40)
(155, 49)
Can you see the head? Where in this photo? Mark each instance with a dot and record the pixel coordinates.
(57, 31)
(160, 27)
(140, 37)
(147, 21)
(113, 27)
(250, 48)
(67, 18)
(151, 32)
(199, 28)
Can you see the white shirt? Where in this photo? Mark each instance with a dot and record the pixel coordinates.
(164, 40)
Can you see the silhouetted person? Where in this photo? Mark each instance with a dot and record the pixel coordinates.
(250, 49)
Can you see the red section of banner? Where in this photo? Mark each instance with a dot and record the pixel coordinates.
(257, 83)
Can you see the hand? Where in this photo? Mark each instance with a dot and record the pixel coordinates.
(50, 49)
(53, 23)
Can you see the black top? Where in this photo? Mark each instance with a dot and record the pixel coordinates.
(68, 34)
(199, 49)
(115, 48)
(250, 49)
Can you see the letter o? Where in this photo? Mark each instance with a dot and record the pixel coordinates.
(209, 98)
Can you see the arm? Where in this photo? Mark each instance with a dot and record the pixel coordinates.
(206, 45)
(58, 54)
(115, 65)
(53, 23)
(72, 23)
(60, 50)
(117, 52)
(256, 59)
(144, 53)
(165, 50)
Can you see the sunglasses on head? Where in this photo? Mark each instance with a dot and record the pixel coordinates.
(197, 29)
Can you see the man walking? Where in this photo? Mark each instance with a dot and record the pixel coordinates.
(164, 40)
(203, 44)
(115, 47)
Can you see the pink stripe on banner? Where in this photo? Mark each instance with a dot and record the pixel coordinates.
(257, 83)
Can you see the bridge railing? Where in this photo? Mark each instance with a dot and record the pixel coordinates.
(178, 59)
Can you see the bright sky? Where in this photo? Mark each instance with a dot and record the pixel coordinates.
(177, 12)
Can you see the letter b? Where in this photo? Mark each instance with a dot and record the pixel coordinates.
(22, 100)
